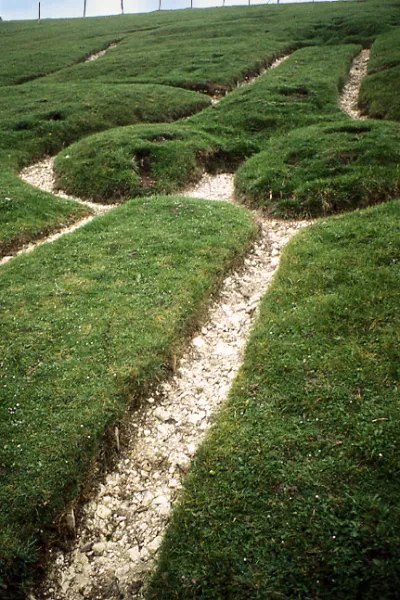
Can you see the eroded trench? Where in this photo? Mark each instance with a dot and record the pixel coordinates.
(121, 528)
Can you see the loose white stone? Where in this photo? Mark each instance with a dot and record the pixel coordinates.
(199, 343)
(224, 349)
(161, 414)
(134, 554)
(155, 544)
(103, 512)
(99, 547)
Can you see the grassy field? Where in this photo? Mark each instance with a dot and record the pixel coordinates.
(88, 324)
(71, 99)
(301, 91)
(295, 492)
(93, 321)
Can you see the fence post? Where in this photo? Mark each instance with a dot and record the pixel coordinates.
(39, 14)
(84, 8)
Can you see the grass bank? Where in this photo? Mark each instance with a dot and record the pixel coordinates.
(294, 493)
(135, 161)
(40, 119)
(304, 90)
(88, 324)
(379, 96)
(67, 99)
(27, 214)
(140, 160)
(323, 170)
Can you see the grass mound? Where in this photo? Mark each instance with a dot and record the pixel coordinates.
(324, 170)
(89, 323)
(27, 214)
(133, 161)
(302, 91)
(38, 119)
(379, 95)
(295, 492)
(163, 158)
(44, 117)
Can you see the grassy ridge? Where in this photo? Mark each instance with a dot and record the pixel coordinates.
(324, 170)
(46, 117)
(27, 213)
(379, 91)
(41, 119)
(87, 323)
(134, 161)
(301, 91)
(62, 107)
(294, 494)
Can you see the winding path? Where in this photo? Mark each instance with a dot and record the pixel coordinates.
(41, 176)
(122, 526)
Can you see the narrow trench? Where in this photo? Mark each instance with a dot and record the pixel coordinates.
(349, 96)
(121, 528)
(41, 176)
(97, 55)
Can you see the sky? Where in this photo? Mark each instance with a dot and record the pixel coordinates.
(28, 9)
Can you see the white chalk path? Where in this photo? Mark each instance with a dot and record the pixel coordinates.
(122, 526)
(349, 97)
(41, 176)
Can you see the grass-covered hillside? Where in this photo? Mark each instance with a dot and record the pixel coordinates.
(95, 320)
(380, 91)
(50, 97)
(295, 492)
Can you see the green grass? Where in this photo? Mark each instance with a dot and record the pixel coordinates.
(301, 91)
(45, 117)
(27, 214)
(93, 321)
(379, 96)
(88, 324)
(324, 170)
(219, 52)
(134, 161)
(42, 119)
(71, 99)
(295, 492)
